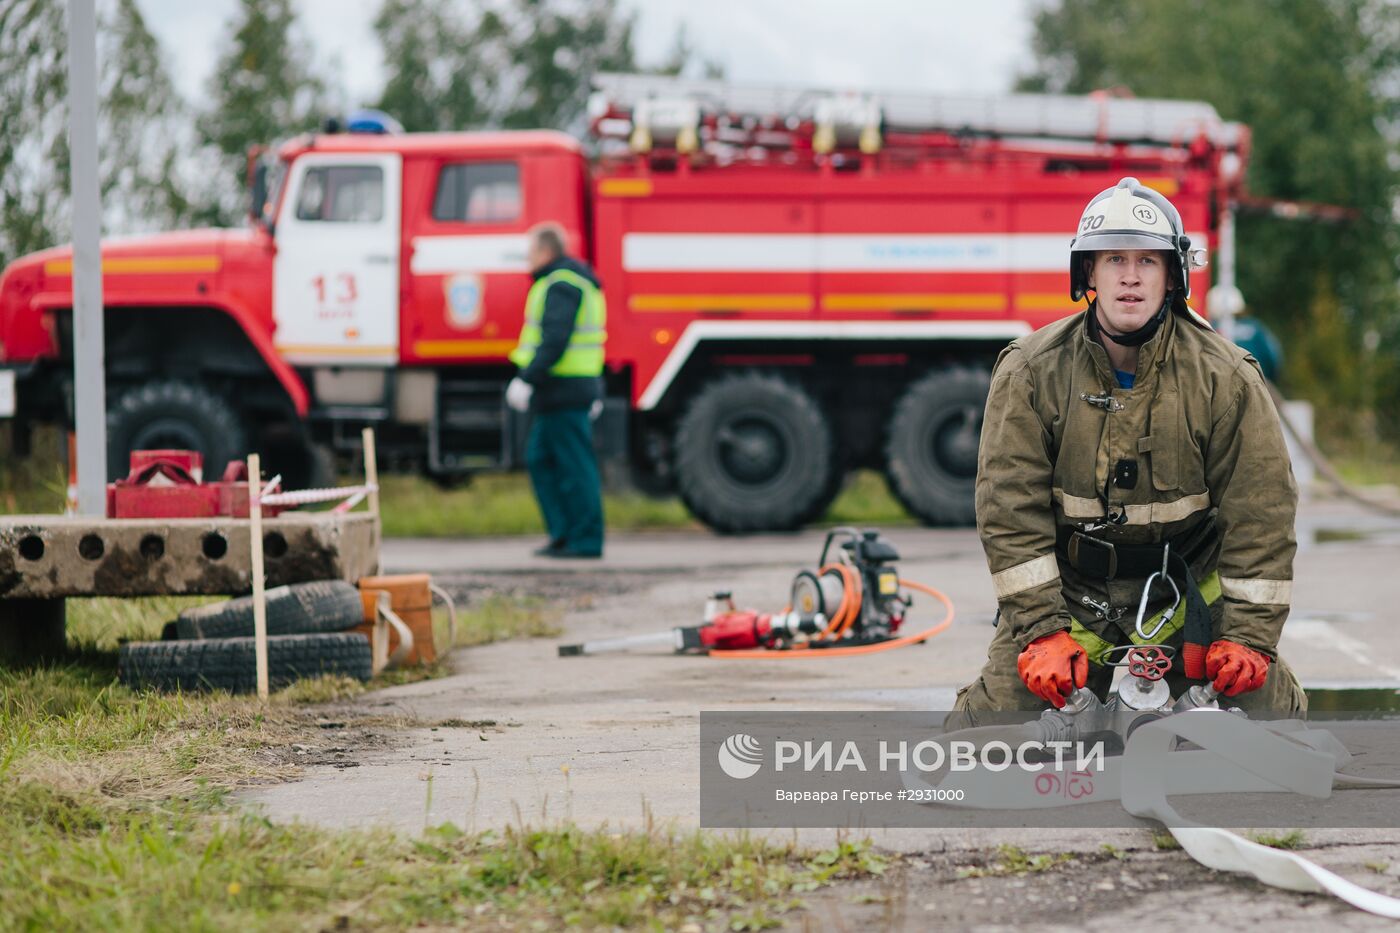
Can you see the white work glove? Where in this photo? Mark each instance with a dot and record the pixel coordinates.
(518, 394)
(595, 411)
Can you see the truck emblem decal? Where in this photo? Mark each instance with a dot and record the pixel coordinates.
(463, 299)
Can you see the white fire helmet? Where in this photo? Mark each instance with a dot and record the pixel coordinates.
(1130, 215)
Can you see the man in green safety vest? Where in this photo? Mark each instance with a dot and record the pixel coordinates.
(1132, 485)
(560, 356)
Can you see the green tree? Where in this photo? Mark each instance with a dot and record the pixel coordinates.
(1317, 83)
(33, 124)
(438, 63)
(262, 90)
(556, 48)
(142, 127)
(521, 64)
(149, 141)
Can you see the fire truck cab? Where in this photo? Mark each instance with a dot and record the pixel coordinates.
(799, 283)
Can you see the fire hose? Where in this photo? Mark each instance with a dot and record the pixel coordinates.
(1228, 753)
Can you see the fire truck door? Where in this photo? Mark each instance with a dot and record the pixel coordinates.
(336, 274)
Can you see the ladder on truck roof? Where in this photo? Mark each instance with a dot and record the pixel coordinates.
(657, 110)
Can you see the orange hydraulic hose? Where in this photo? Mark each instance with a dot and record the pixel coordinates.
(849, 610)
(773, 655)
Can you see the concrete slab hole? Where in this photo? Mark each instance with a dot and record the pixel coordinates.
(31, 547)
(215, 545)
(152, 547)
(274, 545)
(91, 547)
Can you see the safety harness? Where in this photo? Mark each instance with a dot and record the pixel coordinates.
(1104, 560)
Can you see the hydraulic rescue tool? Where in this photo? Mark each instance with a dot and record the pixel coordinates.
(853, 603)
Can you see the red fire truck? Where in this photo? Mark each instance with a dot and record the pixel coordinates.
(799, 283)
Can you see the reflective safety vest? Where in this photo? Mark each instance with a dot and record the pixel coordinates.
(1096, 647)
(584, 354)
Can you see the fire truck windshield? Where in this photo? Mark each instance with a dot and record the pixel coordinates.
(265, 192)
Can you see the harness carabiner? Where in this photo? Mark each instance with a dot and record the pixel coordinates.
(1147, 594)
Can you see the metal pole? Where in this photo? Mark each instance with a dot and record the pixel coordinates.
(372, 481)
(259, 595)
(90, 391)
(1232, 303)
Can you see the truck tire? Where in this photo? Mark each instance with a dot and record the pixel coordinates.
(230, 664)
(295, 609)
(931, 447)
(172, 413)
(754, 452)
(300, 461)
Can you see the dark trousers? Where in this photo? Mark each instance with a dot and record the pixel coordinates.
(564, 473)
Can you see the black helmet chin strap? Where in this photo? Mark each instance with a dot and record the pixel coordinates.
(1140, 336)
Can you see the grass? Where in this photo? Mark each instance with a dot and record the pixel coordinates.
(1378, 466)
(502, 504)
(1013, 860)
(117, 818)
(37, 484)
(491, 504)
(114, 799)
(1164, 841)
(117, 809)
(102, 623)
(72, 865)
(1293, 839)
(498, 617)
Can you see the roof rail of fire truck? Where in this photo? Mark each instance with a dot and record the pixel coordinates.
(668, 112)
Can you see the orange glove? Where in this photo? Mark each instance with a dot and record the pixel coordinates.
(1234, 668)
(1052, 666)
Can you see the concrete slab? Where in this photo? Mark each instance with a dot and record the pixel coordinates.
(55, 556)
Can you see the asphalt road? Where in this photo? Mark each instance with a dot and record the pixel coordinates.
(526, 736)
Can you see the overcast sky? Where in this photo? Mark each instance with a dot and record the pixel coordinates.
(939, 46)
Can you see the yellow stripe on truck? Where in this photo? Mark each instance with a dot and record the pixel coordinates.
(1045, 301)
(142, 265)
(793, 302)
(625, 187)
(933, 301)
(437, 349)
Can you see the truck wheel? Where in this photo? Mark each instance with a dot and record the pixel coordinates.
(173, 414)
(931, 450)
(754, 452)
(295, 609)
(229, 663)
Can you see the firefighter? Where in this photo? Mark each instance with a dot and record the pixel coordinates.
(560, 358)
(1119, 440)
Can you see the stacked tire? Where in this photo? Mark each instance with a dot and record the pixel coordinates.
(212, 647)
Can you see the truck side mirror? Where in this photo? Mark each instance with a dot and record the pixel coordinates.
(258, 193)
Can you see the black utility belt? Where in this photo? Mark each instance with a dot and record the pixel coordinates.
(1105, 560)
